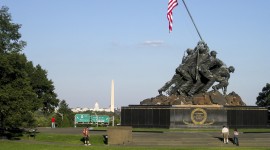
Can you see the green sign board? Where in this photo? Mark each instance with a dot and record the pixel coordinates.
(82, 118)
(100, 119)
(86, 118)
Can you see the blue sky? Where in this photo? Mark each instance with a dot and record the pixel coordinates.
(84, 44)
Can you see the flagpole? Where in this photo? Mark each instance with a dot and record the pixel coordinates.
(192, 20)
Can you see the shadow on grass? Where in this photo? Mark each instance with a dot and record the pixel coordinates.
(11, 133)
(82, 140)
(221, 139)
(16, 133)
(105, 139)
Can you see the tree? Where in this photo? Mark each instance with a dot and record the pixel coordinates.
(24, 88)
(66, 116)
(10, 37)
(17, 98)
(43, 87)
(264, 97)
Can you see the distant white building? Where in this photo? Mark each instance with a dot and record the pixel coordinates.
(96, 108)
(78, 109)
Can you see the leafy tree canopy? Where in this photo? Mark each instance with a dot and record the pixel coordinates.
(24, 88)
(65, 116)
(10, 37)
(264, 97)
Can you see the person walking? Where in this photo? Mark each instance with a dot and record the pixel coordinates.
(225, 133)
(53, 122)
(86, 136)
(235, 137)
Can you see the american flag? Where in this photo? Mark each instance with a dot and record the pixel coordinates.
(171, 5)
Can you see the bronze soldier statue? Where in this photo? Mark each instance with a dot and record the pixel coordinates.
(222, 75)
(198, 71)
(206, 77)
(180, 74)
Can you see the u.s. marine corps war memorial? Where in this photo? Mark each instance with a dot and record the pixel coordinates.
(196, 95)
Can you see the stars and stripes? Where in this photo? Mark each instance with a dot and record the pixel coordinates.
(171, 5)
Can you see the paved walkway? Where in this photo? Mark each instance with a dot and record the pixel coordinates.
(184, 139)
(199, 139)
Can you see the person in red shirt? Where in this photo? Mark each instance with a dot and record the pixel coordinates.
(53, 122)
(86, 136)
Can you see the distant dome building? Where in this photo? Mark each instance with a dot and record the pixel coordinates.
(96, 108)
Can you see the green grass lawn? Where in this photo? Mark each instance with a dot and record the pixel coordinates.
(46, 141)
(64, 138)
(20, 145)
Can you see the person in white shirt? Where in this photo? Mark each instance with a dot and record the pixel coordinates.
(225, 133)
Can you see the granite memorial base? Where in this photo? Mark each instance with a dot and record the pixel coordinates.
(194, 116)
(119, 135)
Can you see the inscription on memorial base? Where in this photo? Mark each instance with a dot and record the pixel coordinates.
(198, 117)
(189, 116)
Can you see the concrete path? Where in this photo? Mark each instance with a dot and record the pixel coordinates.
(199, 139)
(66, 130)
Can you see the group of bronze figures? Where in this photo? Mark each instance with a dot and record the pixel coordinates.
(199, 70)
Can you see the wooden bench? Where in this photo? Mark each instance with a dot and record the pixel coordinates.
(31, 133)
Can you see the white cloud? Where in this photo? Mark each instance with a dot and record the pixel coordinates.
(156, 43)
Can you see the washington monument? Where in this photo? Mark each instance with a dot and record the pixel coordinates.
(112, 97)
